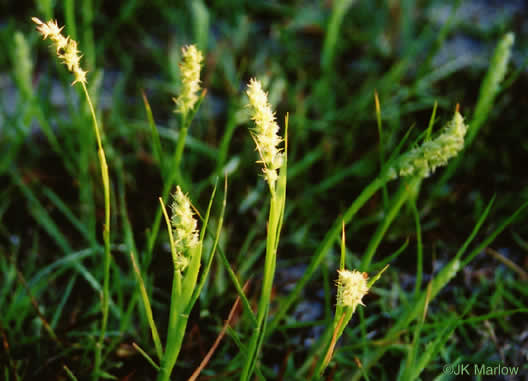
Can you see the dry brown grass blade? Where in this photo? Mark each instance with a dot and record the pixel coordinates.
(330, 351)
(221, 335)
(7, 351)
(513, 266)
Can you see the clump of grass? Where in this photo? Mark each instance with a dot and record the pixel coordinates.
(352, 286)
(186, 244)
(186, 253)
(67, 52)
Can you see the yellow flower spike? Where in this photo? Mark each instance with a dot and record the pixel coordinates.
(265, 132)
(190, 76)
(66, 48)
(351, 288)
(185, 231)
(423, 160)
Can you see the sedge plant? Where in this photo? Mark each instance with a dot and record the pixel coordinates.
(265, 134)
(66, 51)
(185, 103)
(186, 245)
(352, 286)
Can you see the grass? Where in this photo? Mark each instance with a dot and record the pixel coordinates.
(363, 84)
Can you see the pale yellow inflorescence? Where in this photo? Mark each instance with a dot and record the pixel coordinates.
(184, 227)
(423, 160)
(66, 48)
(351, 288)
(265, 132)
(190, 77)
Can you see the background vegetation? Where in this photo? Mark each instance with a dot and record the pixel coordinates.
(322, 62)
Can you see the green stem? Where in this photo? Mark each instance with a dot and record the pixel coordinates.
(174, 177)
(265, 296)
(178, 316)
(322, 363)
(177, 328)
(106, 235)
(231, 125)
(176, 170)
(339, 10)
(419, 248)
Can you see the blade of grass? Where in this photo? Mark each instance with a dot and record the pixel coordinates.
(339, 10)
(157, 151)
(148, 309)
(146, 356)
(65, 296)
(419, 246)
(215, 244)
(67, 212)
(69, 373)
(380, 147)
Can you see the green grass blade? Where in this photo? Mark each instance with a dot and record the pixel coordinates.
(339, 9)
(213, 249)
(157, 151)
(491, 84)
(146, 305)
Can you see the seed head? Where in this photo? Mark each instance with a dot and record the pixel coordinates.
(265, 132)
(351, 288)
(66, 48)
(190, 77)
(434, 153)
(184, 227)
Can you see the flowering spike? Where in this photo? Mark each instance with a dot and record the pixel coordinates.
(184, 227)
(423, 161)
(66, 48)
(351, 288)
(190, 77)
(265, 132)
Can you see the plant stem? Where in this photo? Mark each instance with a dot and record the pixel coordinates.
(265, 296)
(174, 176)
(106, 235)
(176, 329)
(179, 152)
(177, 325)
(339, 9)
